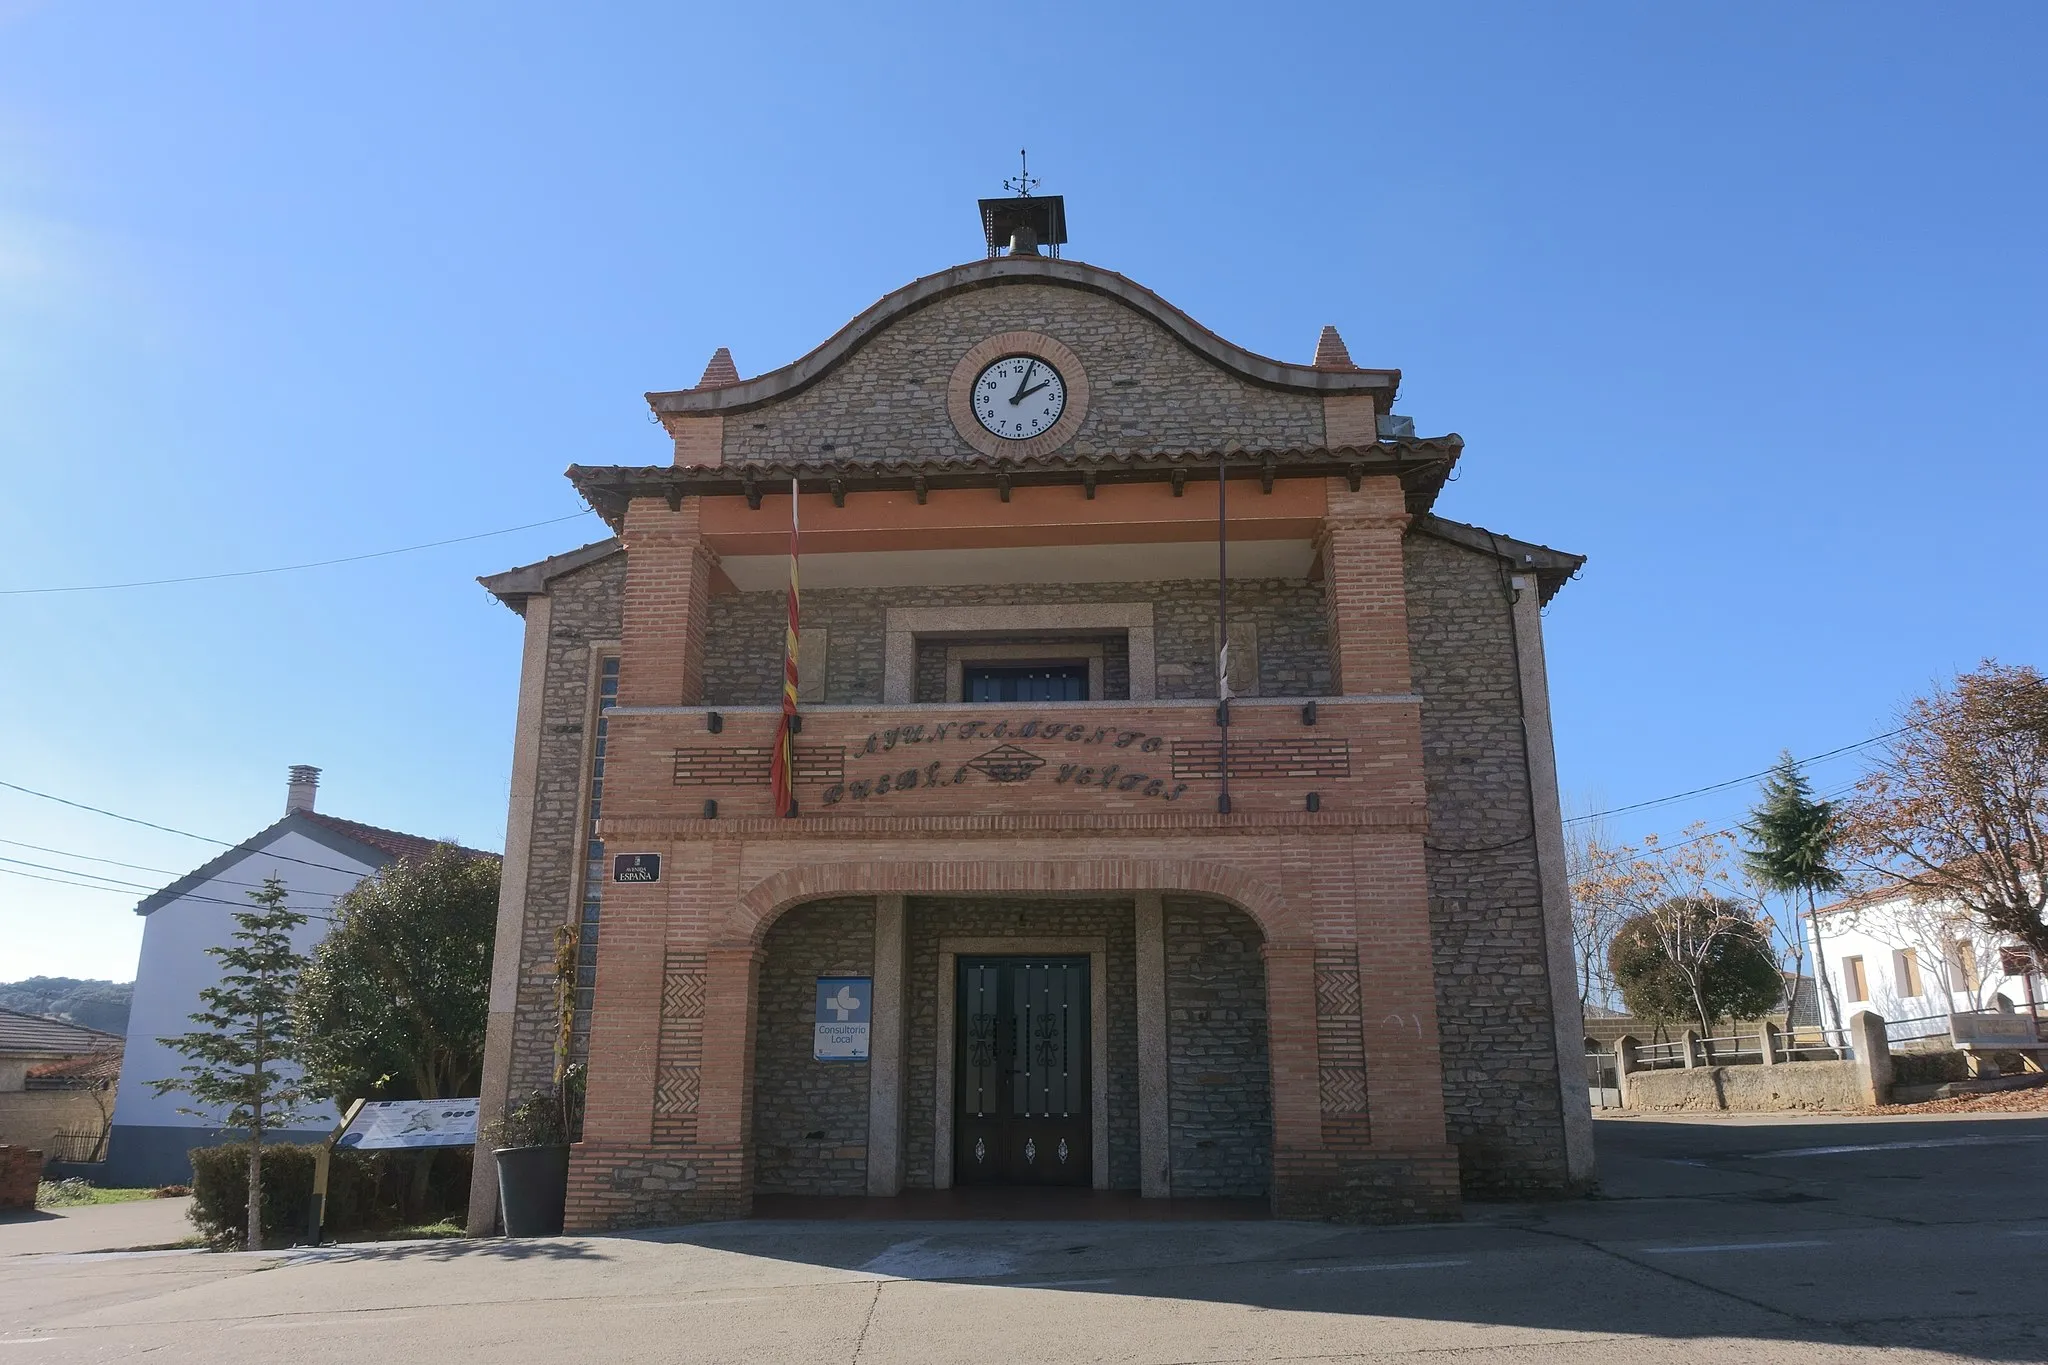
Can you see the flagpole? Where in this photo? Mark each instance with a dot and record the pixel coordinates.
(782, 766)
(1223, 640)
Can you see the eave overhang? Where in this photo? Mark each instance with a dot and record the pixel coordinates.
(1422, 466)
(1264, 371)
(1552, 569)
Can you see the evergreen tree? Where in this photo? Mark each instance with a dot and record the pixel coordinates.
(238, 1059)
(1793, 838)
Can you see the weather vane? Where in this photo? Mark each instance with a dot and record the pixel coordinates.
(1024, 182)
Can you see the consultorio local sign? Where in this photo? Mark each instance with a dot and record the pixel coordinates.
(1009, 763)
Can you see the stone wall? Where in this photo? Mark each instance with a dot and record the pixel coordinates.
(810, 1117)
(35, 1118)
(586, 607)
(743, 648)
(1812, 1086)
(1219, 1077)
(1150, 392)
(1501, 1101)
(1111, 919)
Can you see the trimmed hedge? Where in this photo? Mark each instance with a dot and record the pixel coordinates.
(367, 1192)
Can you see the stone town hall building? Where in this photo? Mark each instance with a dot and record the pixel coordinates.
(1351, 995)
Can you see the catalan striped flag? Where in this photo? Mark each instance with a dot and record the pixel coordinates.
(781, 773)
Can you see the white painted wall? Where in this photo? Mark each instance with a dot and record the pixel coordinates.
(1879, 932)
(175, 967)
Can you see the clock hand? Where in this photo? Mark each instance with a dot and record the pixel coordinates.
(1018, 397)
(1026, 393)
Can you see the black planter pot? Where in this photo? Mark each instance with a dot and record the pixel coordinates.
(533, 1185)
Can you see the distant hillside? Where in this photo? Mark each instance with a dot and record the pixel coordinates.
(92, 1004)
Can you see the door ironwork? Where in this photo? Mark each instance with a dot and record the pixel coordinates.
(1021, 1094)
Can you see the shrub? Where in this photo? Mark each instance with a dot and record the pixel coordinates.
(366, 1191)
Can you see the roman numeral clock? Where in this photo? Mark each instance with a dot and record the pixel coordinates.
(1018, 394)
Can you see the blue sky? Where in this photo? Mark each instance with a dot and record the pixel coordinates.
(1743, 301)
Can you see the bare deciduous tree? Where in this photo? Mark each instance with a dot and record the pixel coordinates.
(1955, 810)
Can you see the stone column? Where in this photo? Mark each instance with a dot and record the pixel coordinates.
(886, 1051)
(1568, 1024)
(1692, 1048)
(1625, 1064)
(1155, 1172)
(1767, 1043)
(1873, 1056)
(1365, 587)
(510, 939)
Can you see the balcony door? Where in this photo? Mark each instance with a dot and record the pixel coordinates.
(1021, 1090)
(1024, 682)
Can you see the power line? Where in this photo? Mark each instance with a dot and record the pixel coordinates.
(181, 833)
(1735, 781)
(144, 886)
(120, 891)
(139, 867)
(291, 568)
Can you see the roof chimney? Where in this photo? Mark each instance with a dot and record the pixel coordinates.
(305, 781)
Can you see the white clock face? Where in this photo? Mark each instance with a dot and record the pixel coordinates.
(1019, 397)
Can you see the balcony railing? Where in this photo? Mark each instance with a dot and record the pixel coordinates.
(1019, 759)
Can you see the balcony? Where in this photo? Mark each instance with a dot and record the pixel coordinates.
(1022, 760)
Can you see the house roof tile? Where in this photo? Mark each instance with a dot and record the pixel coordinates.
(38, 1033)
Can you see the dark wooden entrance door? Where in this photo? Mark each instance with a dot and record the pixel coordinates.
(1021, 1048)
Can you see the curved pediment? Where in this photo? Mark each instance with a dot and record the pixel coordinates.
(921, 293)
(1145, 376)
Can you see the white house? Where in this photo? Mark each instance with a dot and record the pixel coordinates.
(317, 857)
(1915, 963)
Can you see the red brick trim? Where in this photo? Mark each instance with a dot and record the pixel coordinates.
(1197, 760)
(749, 766)
(1405, 817)
(760, 906)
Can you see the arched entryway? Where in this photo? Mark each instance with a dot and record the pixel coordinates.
(1140, 1018)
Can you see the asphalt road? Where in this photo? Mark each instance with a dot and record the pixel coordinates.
(1906, 1240)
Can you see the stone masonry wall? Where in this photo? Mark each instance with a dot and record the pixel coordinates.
(1501, 1100)
(1219, 1078)
(1111, 919)
(587, 606)
(1150, 393)
(810, 1117)
(743, 649)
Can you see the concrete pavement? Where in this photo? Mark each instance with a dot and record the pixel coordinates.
(96, 1227)
(1716, 1240)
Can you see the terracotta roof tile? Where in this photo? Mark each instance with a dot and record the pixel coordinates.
(102, 1065)
(389, 840)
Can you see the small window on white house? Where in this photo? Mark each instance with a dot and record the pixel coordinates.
(1906, 971)
(1964, 959)
(1853, 978)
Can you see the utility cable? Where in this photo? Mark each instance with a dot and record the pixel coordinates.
(244, 846)
(291, 568)
(121, 891)
(1736, 781)
(116, 862)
